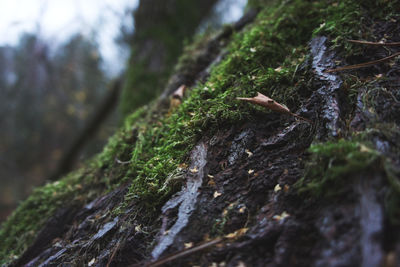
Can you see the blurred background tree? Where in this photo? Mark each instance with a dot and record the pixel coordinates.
(50, 93)
(45, 99)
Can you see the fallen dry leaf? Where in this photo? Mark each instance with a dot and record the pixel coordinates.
(237, 233)
(138, 228)
(281, 217)
(364, 149)
(277, 188)
(179, 92)
(194, 170)
(177, 97)
(249, 154)
(188, 245)
(286, 188)
(211, 182)
(267, 102)
(271, 104)
(90, 263)
(217, 194)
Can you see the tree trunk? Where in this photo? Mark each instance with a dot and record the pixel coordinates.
(212, 181)
(161, 27)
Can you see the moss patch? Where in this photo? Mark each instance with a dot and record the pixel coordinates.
(269, 57)
(251, 66)
(332, 166)
(20, 229)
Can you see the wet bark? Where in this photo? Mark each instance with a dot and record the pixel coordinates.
(233, 190)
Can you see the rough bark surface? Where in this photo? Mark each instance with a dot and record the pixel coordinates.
(238, 204)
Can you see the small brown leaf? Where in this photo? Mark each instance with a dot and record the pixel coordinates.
(266, 102)
(194, 170)
(217, 194)
(271, 104)
(175, 102)
(277, 188)
(177, 97)
(249, 153)
(188, 245)
(179, 92)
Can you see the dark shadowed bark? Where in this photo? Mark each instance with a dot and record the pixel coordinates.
(267, 190)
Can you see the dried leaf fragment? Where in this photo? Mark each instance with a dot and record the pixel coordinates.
(194, 170)
(242, 209)
(211, 181)
(281, 217)
(248, 152)
(271, 104)
(217, 194)
(179, 92)
(365, 149)
(188, 245)
(90, 263)
(266, 102)
(286, 188)
(237, 233)
(277, 188)
(177, 97)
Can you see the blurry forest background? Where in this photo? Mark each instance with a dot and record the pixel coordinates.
(50, 92)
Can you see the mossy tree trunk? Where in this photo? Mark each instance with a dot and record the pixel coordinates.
(216, 181)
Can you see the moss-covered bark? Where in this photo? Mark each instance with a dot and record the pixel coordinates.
(275, 199)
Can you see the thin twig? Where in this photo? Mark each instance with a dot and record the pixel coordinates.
(374, 43)
(184, 252)
(363, 65)
(122, 162)
(113, 254)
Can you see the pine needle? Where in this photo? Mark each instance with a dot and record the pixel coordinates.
(363, 65)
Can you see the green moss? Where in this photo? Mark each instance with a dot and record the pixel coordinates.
(119, 146)
(21, 227)
(346, 20)
(152, 143)
(264, 58)
(249, 67)
(332, 166)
